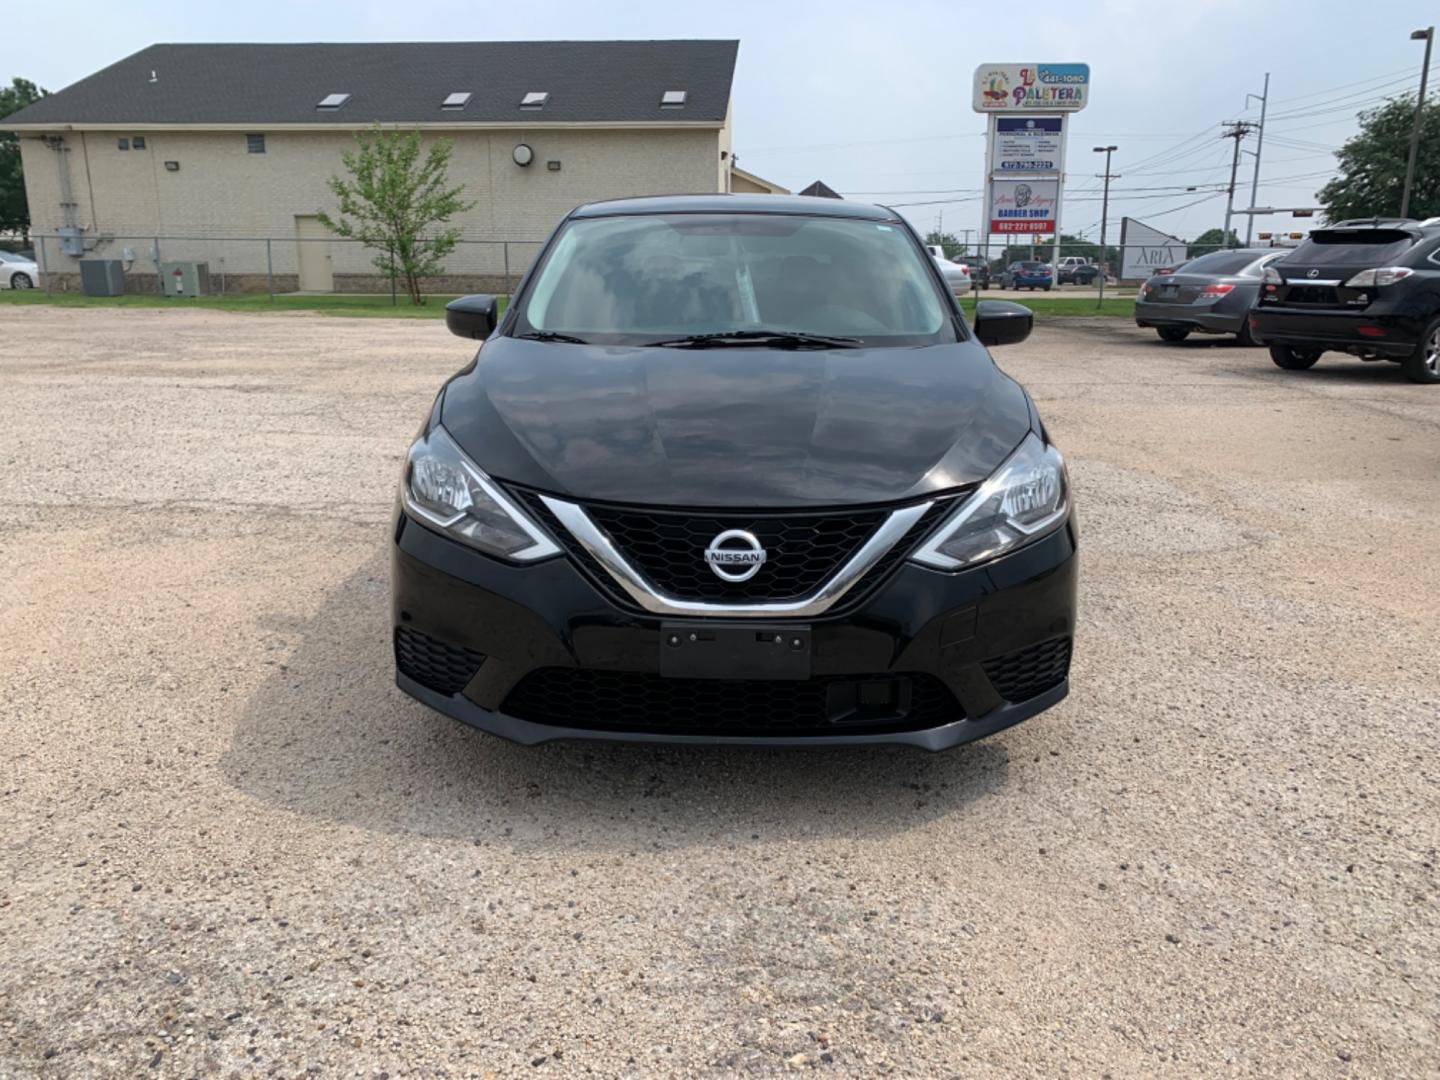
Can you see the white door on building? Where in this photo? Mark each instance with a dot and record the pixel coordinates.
(313, 241)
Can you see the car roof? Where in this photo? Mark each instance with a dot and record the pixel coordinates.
(812, 206)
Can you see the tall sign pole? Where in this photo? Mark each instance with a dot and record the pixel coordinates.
(1025, 144)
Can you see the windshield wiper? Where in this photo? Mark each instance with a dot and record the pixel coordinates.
(777, 339)
(551, 335)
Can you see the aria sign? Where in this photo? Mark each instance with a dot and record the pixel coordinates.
(1031, 87)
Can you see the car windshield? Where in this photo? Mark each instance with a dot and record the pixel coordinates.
(1370, 247)
(1219, 262)
(644, 279)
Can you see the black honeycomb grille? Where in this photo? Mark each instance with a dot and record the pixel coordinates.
(802, 550)
(430, 662)
(1020, 675)
(712, 588)
(592, 699)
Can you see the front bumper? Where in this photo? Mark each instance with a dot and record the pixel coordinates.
(475, 636)
(1337, 329)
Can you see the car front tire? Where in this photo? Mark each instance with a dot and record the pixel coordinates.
(21, 280)
(1423, 365)
(1292, 359)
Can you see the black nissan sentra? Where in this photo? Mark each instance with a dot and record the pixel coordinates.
(735, 469)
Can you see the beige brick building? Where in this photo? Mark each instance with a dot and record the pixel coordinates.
(221, 153)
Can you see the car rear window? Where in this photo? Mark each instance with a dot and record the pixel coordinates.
(1369, 247)
(1033, 265)
(638, 279)
(1219, 262)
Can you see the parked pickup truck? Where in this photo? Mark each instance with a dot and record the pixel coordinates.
(1074, 270)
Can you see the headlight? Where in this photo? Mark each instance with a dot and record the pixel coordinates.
(443, 487)
(1024, 499)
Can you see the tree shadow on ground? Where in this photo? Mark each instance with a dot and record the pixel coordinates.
(329, 736)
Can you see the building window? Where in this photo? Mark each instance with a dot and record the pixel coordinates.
(123, 143)
(255, 144)
(137, 142)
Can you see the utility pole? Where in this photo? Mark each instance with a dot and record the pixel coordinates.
(1237, 130)
(1104, 215)
(1259, 145)
(1428, 35)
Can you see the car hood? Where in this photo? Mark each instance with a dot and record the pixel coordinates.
(751, 427)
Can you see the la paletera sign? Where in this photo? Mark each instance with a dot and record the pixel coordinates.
(1031, 87)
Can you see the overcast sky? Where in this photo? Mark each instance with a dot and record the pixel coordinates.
(875, 98)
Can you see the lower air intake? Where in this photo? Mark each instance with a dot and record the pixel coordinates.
(639, 701)
(434, 664)
(1020, 675)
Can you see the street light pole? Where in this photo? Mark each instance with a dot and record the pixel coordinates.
(1259, 146)
(1428, 36)
(1104, 215)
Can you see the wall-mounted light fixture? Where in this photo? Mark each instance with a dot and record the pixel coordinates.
(522, 154)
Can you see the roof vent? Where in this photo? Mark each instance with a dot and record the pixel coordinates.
(333, 101)
(457, 100)
(672, 99)
(535, 99)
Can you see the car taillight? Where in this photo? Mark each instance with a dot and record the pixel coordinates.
(1371, 331)
(964, 268)
(1216, 290)
(1272, 276)
(1384, 275)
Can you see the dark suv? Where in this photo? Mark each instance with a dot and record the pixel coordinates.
(1370, 288)
(735, 469)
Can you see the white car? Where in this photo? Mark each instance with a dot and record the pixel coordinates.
(957, 275)
(18, 272)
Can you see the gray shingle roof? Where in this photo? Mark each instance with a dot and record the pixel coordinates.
(398, 82)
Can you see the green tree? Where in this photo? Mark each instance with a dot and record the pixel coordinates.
(14, 210)
(954, 249)
(395, 200)
(1372, 165)
(1212, 240)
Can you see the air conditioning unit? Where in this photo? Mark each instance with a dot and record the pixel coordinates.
(185, 278)
(102, 277)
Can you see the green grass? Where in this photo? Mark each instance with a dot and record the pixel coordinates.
(371, 306)
(1047, 306)
(361, 306)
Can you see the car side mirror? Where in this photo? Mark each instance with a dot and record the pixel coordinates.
(999, 322)
(472, 316)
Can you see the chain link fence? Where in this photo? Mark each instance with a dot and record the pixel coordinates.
(1123, 265)
(219, 266)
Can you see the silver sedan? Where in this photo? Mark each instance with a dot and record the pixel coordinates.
(957, 275)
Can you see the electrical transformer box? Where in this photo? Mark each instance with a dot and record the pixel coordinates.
(184, 278)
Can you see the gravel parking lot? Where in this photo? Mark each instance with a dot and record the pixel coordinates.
(228, 846)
